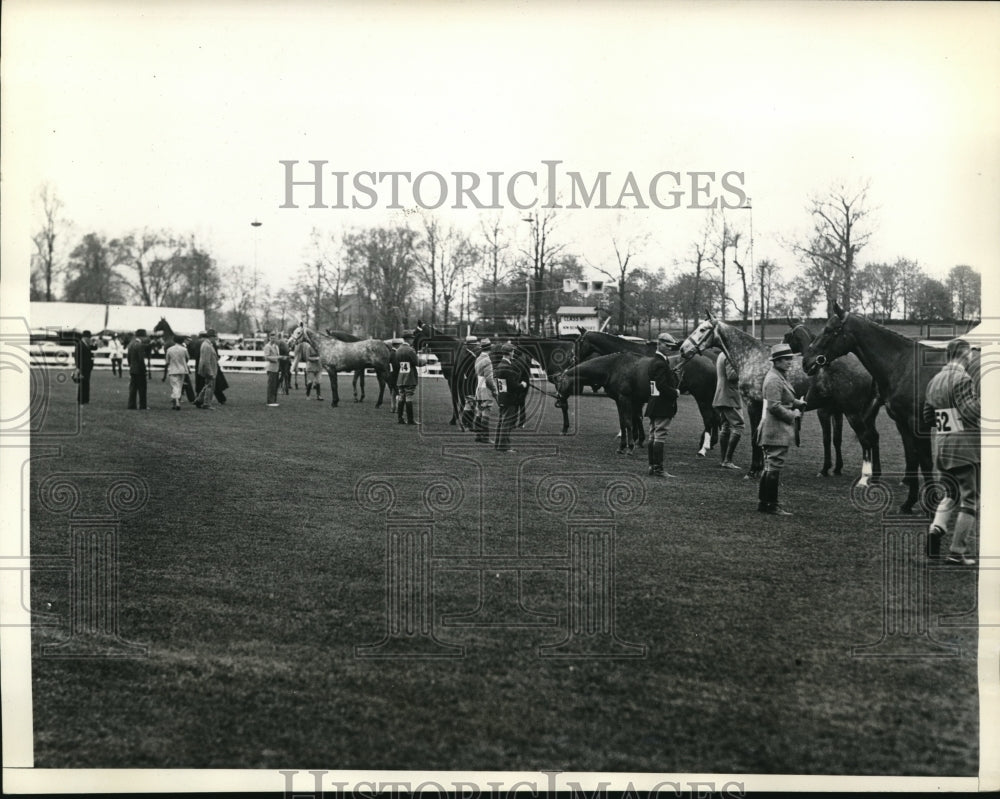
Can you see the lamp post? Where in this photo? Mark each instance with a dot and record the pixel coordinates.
(256, 226)
(527, 281)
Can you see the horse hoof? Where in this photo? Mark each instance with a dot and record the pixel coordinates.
(837, 472)
(701, 453)
(822, 474)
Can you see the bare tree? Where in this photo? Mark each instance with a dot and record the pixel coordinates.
(626, 246)
(44, 260)
(838, 236)
(497, 268)
(541, 253)
(430, 256)
(965, 284)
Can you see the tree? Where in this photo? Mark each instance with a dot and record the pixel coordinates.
(241, 293)
(878, 289)
(626, 246)
(91, 276)
(910, 278)
(838, 236)
(802, 297)
(383, 265)
(651, 299)
(44, 261)
(430, 258)
(198, 284)
(767, 271)
(694, 306)
(931, 302)
(462, 257)
(148, 266)
(497, 266)
(692, 294)
(541, 253)
(965, 285)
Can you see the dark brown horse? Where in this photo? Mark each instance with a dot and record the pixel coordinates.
(625, 378)
(697, 375)
(901, 368)
(845, 389)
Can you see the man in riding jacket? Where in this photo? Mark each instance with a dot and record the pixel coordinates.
(405, 370)
(728, 404)
(511, 388)
(662, 405)
(486, 392)
(306, 352)
(466, 380)
(951, 410)
(777, 427)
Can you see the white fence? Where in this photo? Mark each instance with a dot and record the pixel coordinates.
(55, 356)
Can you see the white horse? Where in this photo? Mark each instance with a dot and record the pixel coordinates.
(341, 356)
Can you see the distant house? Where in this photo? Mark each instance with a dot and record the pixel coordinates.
(572, 317)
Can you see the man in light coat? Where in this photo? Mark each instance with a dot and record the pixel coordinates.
(486, 392)
(777, 427)
(175, 367)
(208, 368)
(952, 410)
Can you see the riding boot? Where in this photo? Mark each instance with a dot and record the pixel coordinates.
(763, 489)
(309, 389)
(468, 420)
(400, 406)
(724, 447)
(772, 495)
(409, 413)
(651, 457)
(734, 440)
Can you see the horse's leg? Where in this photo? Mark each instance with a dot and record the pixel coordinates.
(824, 424)
(627, 417)
(334, 395)
(354, 385)
(911, 479)
(868, 446)
(755, 411)
(380, 377)
(838, 438)
(638, 428)
(710, 434)
(565, 415)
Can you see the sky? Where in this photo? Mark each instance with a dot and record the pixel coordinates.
(177, 115)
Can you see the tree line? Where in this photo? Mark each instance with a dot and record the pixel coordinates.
(380, 280)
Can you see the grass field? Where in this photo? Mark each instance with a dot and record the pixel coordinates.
(252, 575)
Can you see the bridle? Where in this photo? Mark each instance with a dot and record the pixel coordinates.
(821, 359)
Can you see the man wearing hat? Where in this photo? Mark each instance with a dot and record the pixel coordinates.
(136, 356)
(728, 404)
(662, 405)
(83, 358)
(485, 391)
(208, 369)
(306, 352)
(404, 369)
(117, 353)
(777, 427)
(465, 380)
(511, 387)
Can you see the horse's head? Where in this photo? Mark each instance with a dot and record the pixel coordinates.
(161, 326)
(296, 335)
(833, 341)
(585, 348)
(701, 338)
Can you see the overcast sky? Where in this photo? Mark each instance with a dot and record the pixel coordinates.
(176, 115)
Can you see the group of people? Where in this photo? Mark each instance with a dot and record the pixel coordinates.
(483, 385)
(951, 409)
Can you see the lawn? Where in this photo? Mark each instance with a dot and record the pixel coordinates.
(257, 575)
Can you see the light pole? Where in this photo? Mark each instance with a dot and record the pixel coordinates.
(527, 280)
(256, 226)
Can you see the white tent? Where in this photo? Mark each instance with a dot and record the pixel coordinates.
(120, 318)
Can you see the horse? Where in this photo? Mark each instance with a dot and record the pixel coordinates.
(857, 398)
(625, 378)
(335, 356)
(697, 375)
(901, 369)
(194, 351)
(359, 374)
(456, 363)
(751, 359)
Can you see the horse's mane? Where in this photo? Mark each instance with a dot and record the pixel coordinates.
(889, 330)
